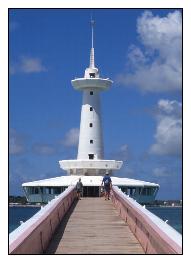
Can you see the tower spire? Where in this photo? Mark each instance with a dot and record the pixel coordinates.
(92, 60)
(92, 26)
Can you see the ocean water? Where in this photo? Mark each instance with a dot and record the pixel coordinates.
(172, 214)
(17, 214)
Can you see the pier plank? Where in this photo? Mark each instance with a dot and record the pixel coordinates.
(93, 226)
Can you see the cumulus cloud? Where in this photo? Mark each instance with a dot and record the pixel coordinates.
(172, 108)
(21, 170)
(157, 66)
(123, 153)
(71, 138)
(27, 65)
(161, 172)
(43, 149)
(168, 134)
(16, 142)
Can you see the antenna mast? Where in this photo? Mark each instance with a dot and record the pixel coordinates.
(92, 61)
(92, 25)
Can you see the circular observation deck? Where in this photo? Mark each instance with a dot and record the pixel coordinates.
(95, 83)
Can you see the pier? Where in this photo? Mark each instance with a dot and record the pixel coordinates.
(94, 226)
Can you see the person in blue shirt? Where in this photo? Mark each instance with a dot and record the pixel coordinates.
(107, 185)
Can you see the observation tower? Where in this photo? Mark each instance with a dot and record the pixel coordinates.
(90, 164)
(90, 159)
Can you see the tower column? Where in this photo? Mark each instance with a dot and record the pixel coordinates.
(90, 160)
(90, 139)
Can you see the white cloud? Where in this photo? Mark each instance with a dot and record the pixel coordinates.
(124, 153)
(158, 67)
(44, 149)
(27, 65)
(16, 142)
(71, 138)
(161, 172)
(135, 57)
(170, 107)
(159, 32)
(168, 134)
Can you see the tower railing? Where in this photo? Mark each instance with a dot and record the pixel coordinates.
(33, 236)
(155, 236)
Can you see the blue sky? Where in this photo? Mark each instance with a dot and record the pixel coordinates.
(139, 49)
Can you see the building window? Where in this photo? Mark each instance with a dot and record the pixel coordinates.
(36, 190)
(57, 190)
(91, 141)
(48, 190)
(91, 109)
(92, 75)
(132, 191)
(144, 191)
(91, 156)
(91, 92)
(91, 124)
(139, 190)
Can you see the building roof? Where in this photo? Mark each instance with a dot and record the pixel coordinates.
(87, 181)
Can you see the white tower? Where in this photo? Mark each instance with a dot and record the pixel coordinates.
(90, 149)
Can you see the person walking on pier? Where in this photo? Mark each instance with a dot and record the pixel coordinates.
(107, 185)
(79, 188)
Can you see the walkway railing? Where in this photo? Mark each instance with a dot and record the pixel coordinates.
(155, 236)
(33, 236)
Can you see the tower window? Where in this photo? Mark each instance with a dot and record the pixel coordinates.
(91, 108)
(91, 92)
(91, 141)
(91, 156)
(91, 124)
(92, 75)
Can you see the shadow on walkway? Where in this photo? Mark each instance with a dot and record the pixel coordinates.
(54, 242)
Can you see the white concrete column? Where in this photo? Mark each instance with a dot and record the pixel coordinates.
(90, 138)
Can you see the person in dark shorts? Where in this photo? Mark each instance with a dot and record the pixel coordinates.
(107, 185)
(79, 188)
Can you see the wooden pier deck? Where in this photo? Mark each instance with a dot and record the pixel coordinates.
(93, 226)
